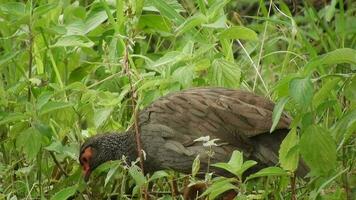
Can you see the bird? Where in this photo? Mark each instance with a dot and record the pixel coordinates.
(170, 128)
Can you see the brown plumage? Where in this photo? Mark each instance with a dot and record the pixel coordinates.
(240, 120)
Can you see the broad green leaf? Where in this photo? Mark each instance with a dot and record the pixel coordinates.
(237, 33)
(94, 19)
(43, 9)
(110, 174)
(52, 106)
(345, 127)
(301, 90)
(6, 118)
(7, 57)
(184, 75)
(223, 73)
(277, 112)
(236, 159)
(350, 92)
(101, 116)
(218, 188)
(65, 193)
(318, 149)
(287, 157)
(167, 9)
(190, 23)
(155, 23)
(337, 56)
(323, 93)
(219, 23)
(136, 173)
(73, 41)
(269, 171)
(13, 8)
(30, 141)
(158, 174)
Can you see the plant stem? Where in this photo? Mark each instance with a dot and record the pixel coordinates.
(293, 188)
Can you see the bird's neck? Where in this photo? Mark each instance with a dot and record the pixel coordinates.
(119, 145)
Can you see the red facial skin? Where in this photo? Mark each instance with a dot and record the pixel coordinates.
(84, 161)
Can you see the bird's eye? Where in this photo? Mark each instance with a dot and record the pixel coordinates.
(84, 159)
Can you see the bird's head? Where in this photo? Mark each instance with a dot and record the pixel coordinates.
(99, 149)
(91, 156)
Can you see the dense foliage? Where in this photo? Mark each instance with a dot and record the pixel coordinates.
(70, 69)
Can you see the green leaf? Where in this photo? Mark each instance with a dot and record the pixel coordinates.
(345, 127)
(74, 41)
(318, 149)
(277, 112)
(190, 23)
(158, 174)
(101, 116)
(137, 175)
(30, 141)
(167, 9)
(155, 23)
(184, 75)
(196, 166)
(43, 9)
(238, 32)
(110, 174)
(337, 56)
(65, 193)
(52, 106)
(95, 18)
(218, 188)
(7, 57)
(269, 171)
(301, 90)
(287, 157)
(6, 118)
(323, 93)
(223, 73)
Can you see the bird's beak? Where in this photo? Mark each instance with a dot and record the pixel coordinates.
(87, 175)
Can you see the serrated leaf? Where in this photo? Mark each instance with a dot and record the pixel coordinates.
(318, 149)
(237, 33)
(289, 159)
(223, 73)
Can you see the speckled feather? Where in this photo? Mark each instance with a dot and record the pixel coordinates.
(240, 120)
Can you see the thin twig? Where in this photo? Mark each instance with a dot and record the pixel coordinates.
(30, 59)
(293, 188)
(58, 164)
(135, 114)
(262, 44)
(254, 66)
